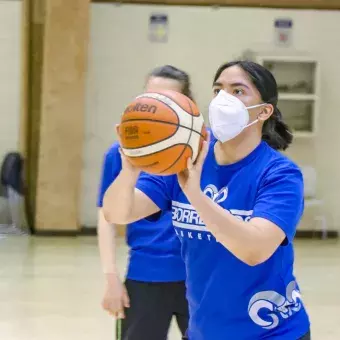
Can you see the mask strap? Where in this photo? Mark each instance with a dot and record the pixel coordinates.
(252, 123)
(255, 106)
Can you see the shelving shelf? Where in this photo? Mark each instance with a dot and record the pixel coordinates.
(298, 96)
(298, 83)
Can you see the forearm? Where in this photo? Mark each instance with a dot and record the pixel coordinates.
(107, 246)
(241, 238)
(119, 198)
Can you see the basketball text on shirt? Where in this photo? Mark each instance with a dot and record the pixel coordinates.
(189, 223)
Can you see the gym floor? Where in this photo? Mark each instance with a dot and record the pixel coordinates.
(51, 288)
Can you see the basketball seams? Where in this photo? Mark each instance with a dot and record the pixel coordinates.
(151, 164)
(187, 144)
(186, 147)
(153, 153)
(167, 148)
(164, 103)
(163, 99)
(176, 160)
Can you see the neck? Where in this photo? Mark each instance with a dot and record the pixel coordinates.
(238, 148)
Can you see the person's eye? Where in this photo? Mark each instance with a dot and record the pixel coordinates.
(216, 91)
(238, 92)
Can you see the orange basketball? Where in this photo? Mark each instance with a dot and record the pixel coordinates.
(160, 131)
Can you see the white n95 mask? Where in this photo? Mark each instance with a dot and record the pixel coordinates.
(228, 116)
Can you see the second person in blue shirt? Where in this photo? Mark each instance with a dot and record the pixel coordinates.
(154, 290)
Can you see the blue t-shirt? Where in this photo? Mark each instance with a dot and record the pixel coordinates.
(229, 299)
(155, 249)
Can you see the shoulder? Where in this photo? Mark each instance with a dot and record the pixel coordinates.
(279, 161)
(280, 167)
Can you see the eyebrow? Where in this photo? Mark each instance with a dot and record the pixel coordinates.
(216, 83)
(233, 84)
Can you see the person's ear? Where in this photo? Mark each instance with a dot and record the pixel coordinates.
(267, 111)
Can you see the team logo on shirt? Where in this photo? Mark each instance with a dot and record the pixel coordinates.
(274, 305)
(216, 195)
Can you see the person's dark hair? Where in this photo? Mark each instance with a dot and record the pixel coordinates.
(171, 72)
(275, 131)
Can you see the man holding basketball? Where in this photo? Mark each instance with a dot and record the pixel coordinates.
(235, 210)
(154, 290)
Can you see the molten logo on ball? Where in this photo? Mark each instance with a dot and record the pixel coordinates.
(141, 108)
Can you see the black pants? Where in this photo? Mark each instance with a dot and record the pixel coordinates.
(305, 337)
(152, 306)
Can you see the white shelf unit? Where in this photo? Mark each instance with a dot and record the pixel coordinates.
(298, 83)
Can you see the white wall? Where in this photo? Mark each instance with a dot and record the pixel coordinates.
(10, 66)
(200, 39)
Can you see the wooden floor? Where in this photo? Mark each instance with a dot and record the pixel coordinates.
(50, 289)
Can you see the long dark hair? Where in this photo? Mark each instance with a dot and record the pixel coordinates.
(171, 72)
(275, 131)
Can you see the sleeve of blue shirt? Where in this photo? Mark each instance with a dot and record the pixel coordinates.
(280, 198)
(157, 189)
(111, 168)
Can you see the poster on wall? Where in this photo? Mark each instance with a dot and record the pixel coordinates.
(283, 32)
(158, 28)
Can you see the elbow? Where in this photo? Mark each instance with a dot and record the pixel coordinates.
(113, 215)
(251, 256)
(253, 259)
(107, 215)
(252, 262)
(114, 218)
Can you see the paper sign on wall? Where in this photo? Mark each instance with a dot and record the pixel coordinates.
(158, 28)
(283, 32)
